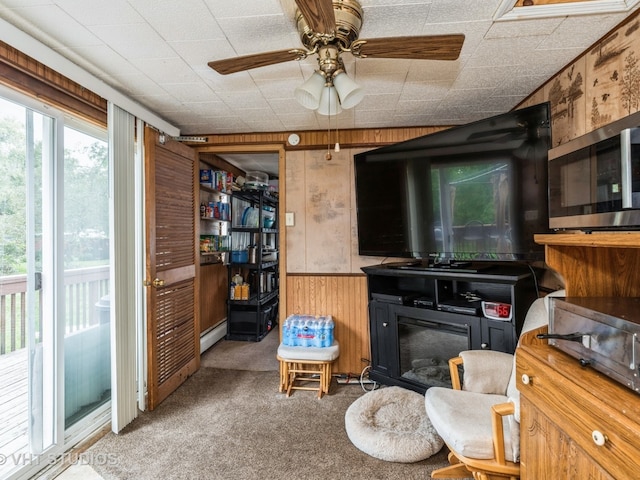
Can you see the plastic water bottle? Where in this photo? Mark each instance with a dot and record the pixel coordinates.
(286, 332)
(324, 332)
(330, 327)
(316, 331)
(294, 332)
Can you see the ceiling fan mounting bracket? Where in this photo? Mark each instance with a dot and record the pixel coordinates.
(348, 21)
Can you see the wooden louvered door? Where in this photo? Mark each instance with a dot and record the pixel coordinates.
(173, 333)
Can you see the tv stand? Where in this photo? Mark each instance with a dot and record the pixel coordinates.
(440, 309)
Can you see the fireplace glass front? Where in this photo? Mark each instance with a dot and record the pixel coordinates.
(425, 348)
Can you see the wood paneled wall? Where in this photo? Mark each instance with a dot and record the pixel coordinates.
(345, 298)
(318, 139)
(597, 88)
(23, 73)
(213, 294)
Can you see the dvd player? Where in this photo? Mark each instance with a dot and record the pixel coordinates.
(463, 307)
(424, 302)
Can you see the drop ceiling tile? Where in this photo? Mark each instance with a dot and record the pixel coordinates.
(379, 85)
(524, 28)
(180, 21)
(446, 11)
(25, 3)
(245, 100)
(394, 20)
(185, 92)
(105, 60)
(249, 35)
(482, 77)
(167, 70)
(198, 53)
(574, 32)
(433, 71)
(226, 8)
(276, 89)
(379, 102)
(133, 41)
(139, 84)
(70, 33)
(503, 51)
(424, 91)
(94, 12)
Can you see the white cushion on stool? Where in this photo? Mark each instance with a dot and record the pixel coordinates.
(319, 354)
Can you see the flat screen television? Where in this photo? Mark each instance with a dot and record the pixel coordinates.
(474, 192)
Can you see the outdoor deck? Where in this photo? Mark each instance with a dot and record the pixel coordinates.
(14, 420)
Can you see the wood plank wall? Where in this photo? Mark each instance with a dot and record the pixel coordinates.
(318, 139)
(345, 296)
(213, 294)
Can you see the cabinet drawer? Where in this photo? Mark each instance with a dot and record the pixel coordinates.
(573, 398)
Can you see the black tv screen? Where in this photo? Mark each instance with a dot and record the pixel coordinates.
(474, 192)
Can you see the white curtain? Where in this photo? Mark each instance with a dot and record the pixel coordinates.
(125, 237)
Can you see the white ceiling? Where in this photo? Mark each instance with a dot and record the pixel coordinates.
(156, 52)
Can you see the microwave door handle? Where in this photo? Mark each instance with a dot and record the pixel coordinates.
(625, 153)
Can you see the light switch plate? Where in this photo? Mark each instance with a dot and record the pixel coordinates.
(288, 219)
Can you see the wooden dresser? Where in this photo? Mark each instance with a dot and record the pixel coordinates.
(576, 423)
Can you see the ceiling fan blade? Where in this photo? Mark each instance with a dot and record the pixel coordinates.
(430, 47)
(247, 62)
(318, 14)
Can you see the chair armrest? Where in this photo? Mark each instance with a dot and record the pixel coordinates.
(455, 373)
(497, 412)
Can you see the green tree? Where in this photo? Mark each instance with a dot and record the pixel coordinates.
(12, 197)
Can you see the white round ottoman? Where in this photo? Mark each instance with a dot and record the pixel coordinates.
(392, 424)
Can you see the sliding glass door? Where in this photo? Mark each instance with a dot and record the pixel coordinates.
(54, 280)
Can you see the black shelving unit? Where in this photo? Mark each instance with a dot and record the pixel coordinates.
(250, 319)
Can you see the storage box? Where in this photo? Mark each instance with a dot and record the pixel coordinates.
(248, 321)
(308, 331)
(206, 177)
(239, 256)
(256, 181)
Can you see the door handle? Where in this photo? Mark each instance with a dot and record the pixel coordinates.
(156, 283)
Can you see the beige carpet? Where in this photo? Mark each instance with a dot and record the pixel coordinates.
(229, 424)
(236, 355)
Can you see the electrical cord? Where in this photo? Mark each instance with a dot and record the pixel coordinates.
(374, 385)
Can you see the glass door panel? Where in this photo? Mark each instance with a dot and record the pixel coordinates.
(27, 416)
(87, 374)
(54, 285)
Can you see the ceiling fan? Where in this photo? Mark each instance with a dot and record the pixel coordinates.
(329, 28)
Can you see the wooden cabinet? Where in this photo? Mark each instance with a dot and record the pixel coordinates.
(575, 421)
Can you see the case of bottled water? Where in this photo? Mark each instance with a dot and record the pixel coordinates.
(308, 331)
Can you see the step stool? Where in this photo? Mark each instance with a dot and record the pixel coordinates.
(306, 364)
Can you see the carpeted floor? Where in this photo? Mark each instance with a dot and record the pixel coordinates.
(235, 355)
(230, 424)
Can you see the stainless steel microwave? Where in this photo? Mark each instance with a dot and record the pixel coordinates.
(594, 181)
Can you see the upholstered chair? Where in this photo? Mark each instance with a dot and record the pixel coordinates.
(479, 417)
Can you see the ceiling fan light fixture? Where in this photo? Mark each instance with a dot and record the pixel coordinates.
(329, 101)
(349, 92)
(310, 92)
